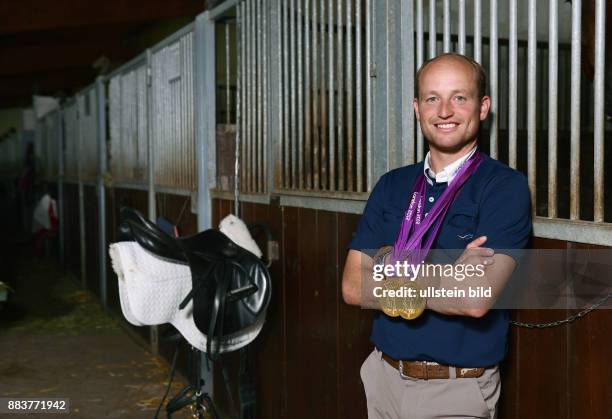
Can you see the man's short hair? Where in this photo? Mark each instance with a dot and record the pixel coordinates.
(479, 72)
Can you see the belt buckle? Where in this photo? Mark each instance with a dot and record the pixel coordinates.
(405, 376)
(401, 371)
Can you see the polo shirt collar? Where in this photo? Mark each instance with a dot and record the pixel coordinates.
(447, 174)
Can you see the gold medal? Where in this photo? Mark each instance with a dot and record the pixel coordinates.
(401, 297)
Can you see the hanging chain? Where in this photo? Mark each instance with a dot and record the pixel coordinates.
(570, 319)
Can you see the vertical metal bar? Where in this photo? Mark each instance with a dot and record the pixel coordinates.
(239, 176)
(206, 113)
(239, 150)
(407, 77)
(340, 96)
(286, 176)
(393, 137)
(152, 210)
(531, 101)
(307, 101)
(349, 98)
(324, 113)
(293, 89)
(179, 118)
(60, 185)
(512, 84)
(331, 117)
(81, 194)
(227, 73)
(300, 94)
(493, 48)
(315, 98)
(243, 92)
(598, 124)
(446, 44)
(432, 28)
(369, 73)
(477, 31)
(252, 109)
(248, 99)
(82, 237)
(193, 183)
(553, 112)
(265, 73)
(358, 102)
(102, 168)
(259, 98)
(420, 52)
(150, 142)
(276, 118)
(575, 113)
(462, 27)
(205, 134)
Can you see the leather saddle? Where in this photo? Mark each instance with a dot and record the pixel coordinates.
(231, 287)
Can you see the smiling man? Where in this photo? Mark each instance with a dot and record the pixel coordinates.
(443, 363)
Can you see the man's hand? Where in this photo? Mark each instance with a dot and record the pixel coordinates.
(476, 255)
(498, 269)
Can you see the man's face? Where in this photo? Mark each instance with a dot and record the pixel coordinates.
(448, 106)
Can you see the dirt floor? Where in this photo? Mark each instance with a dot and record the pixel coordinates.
(57, 341)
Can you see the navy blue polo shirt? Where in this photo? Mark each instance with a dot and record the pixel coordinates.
(494, 202)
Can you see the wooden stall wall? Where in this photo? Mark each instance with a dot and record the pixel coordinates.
(308, 356)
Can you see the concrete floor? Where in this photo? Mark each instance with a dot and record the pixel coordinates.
(57, 341)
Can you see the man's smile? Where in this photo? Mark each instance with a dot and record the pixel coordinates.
(447, 126)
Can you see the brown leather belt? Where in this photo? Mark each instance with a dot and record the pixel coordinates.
(430, 370)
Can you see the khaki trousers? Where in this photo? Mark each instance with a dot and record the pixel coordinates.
(389, 396)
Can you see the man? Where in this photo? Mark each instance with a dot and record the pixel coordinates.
(445, 362)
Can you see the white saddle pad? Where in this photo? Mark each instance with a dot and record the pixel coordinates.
(151, 289)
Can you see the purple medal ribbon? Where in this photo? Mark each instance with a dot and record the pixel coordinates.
(408, 245)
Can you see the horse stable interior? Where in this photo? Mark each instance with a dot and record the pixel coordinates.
(286, 113)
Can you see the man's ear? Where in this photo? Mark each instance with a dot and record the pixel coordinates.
(485, 105)
(415, 106)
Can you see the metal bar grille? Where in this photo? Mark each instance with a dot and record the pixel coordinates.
(173, 133)
(537, 87)
(322, 146)
(128, 125)
(253, 17)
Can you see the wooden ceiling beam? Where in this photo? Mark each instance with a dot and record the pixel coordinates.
(35, 15)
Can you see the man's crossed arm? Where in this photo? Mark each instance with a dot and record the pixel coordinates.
(358, 281)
